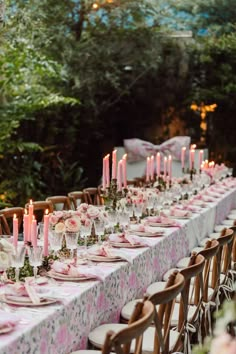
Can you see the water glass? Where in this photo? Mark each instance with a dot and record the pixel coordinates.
(138, 210)
(71, 240)
(35, 258)
(55, 240)
(130, 210)
(99, 226)
(18, 259)
(112, 219)
(123, 218)
(85, 232)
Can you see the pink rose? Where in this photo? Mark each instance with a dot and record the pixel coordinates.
(58, 214)
(72, 224)
(93, 212)
(53, 219)
(83, 207)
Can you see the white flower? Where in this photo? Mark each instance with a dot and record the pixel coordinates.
(93, 212)
(4, 260)
(72, 224)
(6, 246)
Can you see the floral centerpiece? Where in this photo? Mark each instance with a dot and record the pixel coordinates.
(88, 213)
(64, 221)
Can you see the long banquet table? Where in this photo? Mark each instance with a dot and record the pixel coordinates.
(64, 327)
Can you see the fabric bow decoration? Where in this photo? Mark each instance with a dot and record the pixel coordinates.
(138, 149)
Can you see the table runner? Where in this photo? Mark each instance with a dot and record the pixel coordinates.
(62, 328)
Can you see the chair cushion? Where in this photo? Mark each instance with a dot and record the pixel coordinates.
(183, 262)
(219, 228)
(87, 351)
(191, 294)
(155, 287)
(203, 242)
(98, 335)
(228, 222)
(197, 249)
(128, 309)
(168, 273)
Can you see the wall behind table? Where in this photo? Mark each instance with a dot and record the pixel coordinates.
(137, 169)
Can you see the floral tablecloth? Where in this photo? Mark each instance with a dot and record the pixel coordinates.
(64, 327)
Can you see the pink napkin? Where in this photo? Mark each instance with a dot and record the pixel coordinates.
(180, 212)
(127, 238)
(103, 251)
(30, 289)
(143, 228)
(73, 271)
(162, 220)
(8, 319)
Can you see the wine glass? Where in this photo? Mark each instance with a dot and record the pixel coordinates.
(99, 226)
(123, 218)
(35, 258)
(5, 264)
(55, 240)
(138, 210)
(150, 203)
(112, 219)
(159, 202)
(71, 240)
(85, 231)
(130, 210)
(18, 259)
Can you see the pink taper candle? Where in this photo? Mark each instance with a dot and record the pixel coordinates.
(200, 158)
(114, 152)
(158, 164)
(104, 173)
(108, 170)
(148, 169)
(152, 167)
(119, 176)
(124, 159)
(183, 151)
(31, 212)
(34, 232)
(15, 230)
(170, 167)
(26, 227)
(191, 159)
(45, 233)
(165, 166)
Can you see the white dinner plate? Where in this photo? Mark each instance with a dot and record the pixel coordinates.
(6, 329)
(228, 222)
(125, 245)
(17, 301)
(155, 224)
(149, 234)
(59, 276)
(104, 259)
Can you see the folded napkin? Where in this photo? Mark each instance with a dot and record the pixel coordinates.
(162, 220)
(106, 251)
(128, 238)
(73, 271)
(180, 212)
(217, 189)
(144, 228)
(31, 289)
(8, 319)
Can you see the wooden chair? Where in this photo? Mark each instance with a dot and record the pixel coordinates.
(191, 305)
(6, 216)
(156, 337)
(60, 202)
(234, 248)
(76, 198)
(132, 335)
(40, 208)
(92, 196)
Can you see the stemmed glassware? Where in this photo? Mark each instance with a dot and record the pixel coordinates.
(123, 218)
(55, 240)
(18, 259)
(71, 240)
(85, 232)
(99, 226)
(159, 202)
(35, 258)
(112, 219)
(150, 203)
(138, 210)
